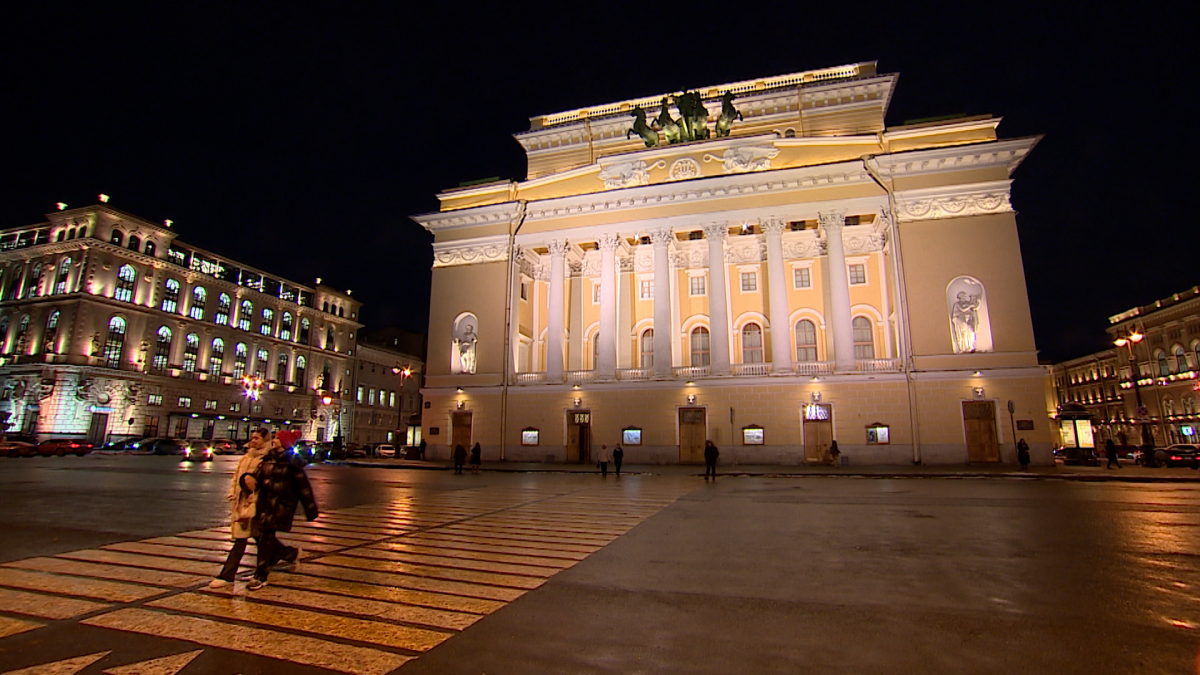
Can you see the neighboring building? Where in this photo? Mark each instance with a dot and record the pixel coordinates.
(110, 327)
(869, 285)
(1168, 365)
(387, 396)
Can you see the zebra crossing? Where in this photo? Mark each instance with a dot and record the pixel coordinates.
(377, 585)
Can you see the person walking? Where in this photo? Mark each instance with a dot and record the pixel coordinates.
(243, 500)
(282, 484)
(476, 457)
(421, 450)
(460, 458)
(835, 454)
(1023, 454)
(1110, 451)
(710, 459)
(602, 460)
(618, 456)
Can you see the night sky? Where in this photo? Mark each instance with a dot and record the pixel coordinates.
(299, 139)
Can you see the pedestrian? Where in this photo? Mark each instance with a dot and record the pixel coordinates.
(421, 450)
(1023, 454)
(710, 459)
(476, 457)
(834, 453)
(243, 501)
(602, 460)
(282, 484)
(618, 456)
(460, 458)
(1110, 451)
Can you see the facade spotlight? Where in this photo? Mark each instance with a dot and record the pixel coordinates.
(62, 206)
(103, 198)
(459, 390)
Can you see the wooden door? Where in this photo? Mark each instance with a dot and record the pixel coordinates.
(979, 419)
(98, 429)
(818, 432)
(460, 430)
(692, 435)
(579, 437)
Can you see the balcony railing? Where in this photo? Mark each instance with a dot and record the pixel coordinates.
(805, 368)
(530, 378)
(580, 376)
(691, 372)
(813, 368)
(751, 369)
(878, 365)
(627, 374)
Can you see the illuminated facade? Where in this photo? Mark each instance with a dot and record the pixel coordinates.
(1167, 357)
(111, 328)
(387, 396)
(794, 274)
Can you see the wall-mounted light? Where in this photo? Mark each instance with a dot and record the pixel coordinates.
(576, 387)
(691, 383)
(978, 373)
(815, 379)
(691, 398)
(459, 390)
(103, 198)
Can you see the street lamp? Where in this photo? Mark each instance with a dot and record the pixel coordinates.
(1128, 341)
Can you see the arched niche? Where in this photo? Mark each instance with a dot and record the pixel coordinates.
(967, 312)
(465, 335)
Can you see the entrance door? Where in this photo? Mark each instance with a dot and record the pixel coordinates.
(979, 418)
(460, 429)
(98, 429)
(693, 432)
(579, 436)
(818, 432)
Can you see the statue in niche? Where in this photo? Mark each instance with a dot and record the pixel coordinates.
(728, 114)
(466, 350)
(964, 317)
(649, 136)
(466, 341)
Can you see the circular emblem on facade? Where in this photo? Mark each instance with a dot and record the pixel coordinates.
(685, 168)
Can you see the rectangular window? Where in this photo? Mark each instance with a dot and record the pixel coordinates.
(858, 275)
(696, 286)
(358, 398)
(210, 404)
(185, 402)
(371, 396)
(645, 290)
(154, 399)
(256, 408)
(524, 290)
(749, 282)
(391, 399)
(235, 407)
(596, 293)
(801, 278)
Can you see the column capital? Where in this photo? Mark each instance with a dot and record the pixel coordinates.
(772, 226)
(832, 220)
(662, 236)
(558, 246)
(608, 242)
(719, 231)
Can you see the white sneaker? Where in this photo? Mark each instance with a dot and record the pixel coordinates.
(219, 583)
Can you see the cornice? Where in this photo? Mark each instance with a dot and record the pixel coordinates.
(954, 201)
(477, 216)
(991, 154)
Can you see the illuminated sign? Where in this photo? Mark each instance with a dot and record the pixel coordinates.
(631, 436)
(877, 434)
(752, 436)
(816, 412)
(529, 437)
(1187, 430)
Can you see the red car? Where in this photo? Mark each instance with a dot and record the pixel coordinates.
(18, 449)
(61, 446)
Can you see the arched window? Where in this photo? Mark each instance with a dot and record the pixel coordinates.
(3, 332)
(267, 327)
(806, 341)
(162, 350)
(50, 337)
(281, 368)
(14, 286)
(341, 311)
(117, 237)
(114, 346)
(699, 344)
(191, 351)
(35, 281)
(22, 333)
(301, 371)
(240, 354)
(216, 358)
(285, 326)
(64, 270)
(199, 296)
(1181, 364)
(261, 363)
(1168, 406)
(329, 343)
(1164, 368)
(126, 282)
(864, 338)
(245, 315)
(170, 303)
(327, 376)
(304, 328)
(62, 234)
(135, 244)
(150, 248)
(752, 344)
(648, 348)
(325, 307)
(224, 303)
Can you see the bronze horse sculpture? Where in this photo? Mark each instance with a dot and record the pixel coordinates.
(649, 136)
(669, 126)
(728, 114)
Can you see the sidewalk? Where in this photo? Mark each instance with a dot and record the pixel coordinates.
(1128, 473)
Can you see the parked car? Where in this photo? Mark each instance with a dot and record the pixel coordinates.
(17, 449)
(355, 450)
(164, 446)
(223, 446)
(329, 452)
(385, 450)
(61, 446)
(127, 445)
(1180, 454)
(198, 451)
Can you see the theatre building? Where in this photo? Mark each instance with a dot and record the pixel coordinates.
(763, 264)
(111, 328)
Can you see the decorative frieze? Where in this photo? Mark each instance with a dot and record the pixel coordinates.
(745, 159)
(954, 201)
(470, 252)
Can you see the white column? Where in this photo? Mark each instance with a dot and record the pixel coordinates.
(718, 314)
(554, 318)
(839, 291)
(885, 292)
(606, 365)
(781, 332)
(663, 331)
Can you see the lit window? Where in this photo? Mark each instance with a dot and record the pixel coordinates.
(696, 286)
(170, 303)
(700, 355)
(801, 278)
(864, 339)
(126, 282)
(262, 362)
(806, 340)
(114, 347)
(301, 371)
(154, 399)
(752, 345)
(185, 402)
(235, 407)
(216, 359)
(64, 270)
(199, 296)
(162, 350)
(268, 325)
(221, 318)
(646, 289)
(210, 404)
(51, 335)
(391, 399)
(285, 326)
(245, 314)
(191, 351)
(749, 282)
(358, 398)
(371, 396)
(858, 275)
(648, 348)
(240, 354)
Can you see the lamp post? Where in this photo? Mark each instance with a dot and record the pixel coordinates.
(404, 373)
(1128, 341)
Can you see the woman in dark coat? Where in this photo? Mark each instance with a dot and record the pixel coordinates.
(1023, 454)
(460, 458)
(282, 484)
(476, 458)
(710, 460)
(1110, 451)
